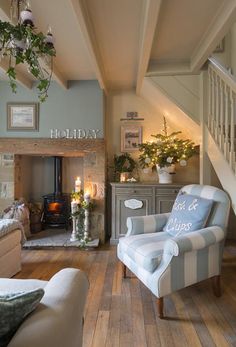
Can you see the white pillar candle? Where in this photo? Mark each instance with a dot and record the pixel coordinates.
(87, 197)
(78, 185)
(74, 206)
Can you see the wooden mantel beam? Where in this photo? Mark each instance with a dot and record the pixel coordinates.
(151, 13)
(22, 79)
(51, 147)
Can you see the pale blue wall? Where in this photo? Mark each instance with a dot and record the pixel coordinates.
(81, 106)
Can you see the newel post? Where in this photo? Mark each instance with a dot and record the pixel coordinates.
(205, 167)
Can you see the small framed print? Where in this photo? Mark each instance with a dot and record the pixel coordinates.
(23, 116)
(131, 137)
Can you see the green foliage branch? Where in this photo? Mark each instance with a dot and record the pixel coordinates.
(22, 45)
(123, 163)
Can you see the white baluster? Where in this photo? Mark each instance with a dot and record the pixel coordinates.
(213, 104)
(226, 142)
(232, 135)
(209, 119)
(216, 133)
(221, 138)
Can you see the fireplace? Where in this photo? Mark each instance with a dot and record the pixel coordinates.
(56, 205)
(34, 173)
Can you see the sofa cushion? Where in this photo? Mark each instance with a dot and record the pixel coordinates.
(189, 213)
(14, 307)
(145, 249)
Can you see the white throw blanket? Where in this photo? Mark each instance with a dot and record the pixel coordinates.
(9, 225)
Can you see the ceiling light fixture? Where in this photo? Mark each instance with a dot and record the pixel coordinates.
(21, 44)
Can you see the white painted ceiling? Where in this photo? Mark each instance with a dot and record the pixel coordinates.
(110, 48)
(72, 55)
(181, 26)
(117, 30)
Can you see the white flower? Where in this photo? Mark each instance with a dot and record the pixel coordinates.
(147, 160)
(182, 162)
(169, 160)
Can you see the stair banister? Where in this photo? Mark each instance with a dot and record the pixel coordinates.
(221, 109)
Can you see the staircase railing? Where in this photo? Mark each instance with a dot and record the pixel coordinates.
(221, 109)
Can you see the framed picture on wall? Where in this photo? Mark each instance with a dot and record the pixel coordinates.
(131, 137)
(23, 116)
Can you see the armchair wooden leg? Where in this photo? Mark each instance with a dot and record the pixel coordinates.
(160, 306)
(124, 270)
(216, 285)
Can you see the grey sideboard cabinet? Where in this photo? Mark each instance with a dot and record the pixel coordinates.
(139, 199)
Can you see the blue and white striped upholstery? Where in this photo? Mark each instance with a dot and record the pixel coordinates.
(186, 259)
(145, 249)
(149, 224)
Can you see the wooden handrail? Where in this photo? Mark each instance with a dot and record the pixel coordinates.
(223, 73)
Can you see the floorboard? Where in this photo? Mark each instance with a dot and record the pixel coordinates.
(123, 313)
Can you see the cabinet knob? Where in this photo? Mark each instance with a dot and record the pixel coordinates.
(176, 191)
(134, 191)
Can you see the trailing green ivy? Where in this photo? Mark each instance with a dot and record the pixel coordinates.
(22, 45)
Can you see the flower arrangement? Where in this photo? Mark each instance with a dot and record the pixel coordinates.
(166, 150)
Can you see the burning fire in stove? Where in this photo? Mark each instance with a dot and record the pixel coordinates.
(54, 207)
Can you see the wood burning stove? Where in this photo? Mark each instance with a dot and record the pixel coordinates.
(56, 205)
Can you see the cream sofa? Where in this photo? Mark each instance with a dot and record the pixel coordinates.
(58, 320)
(11, 239)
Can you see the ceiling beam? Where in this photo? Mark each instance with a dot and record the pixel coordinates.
(20, 78)
(88, 32)
(56, 75)
(216, 31)
(173, 68)
(151, 13)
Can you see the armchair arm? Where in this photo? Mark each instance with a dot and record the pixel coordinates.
(146, 224)
(58, 320)
(193, 241)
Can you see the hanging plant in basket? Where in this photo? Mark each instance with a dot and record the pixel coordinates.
(21, 44)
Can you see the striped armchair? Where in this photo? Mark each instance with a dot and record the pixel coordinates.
(166, 264)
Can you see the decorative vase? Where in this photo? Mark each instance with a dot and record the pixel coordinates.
(165, 174)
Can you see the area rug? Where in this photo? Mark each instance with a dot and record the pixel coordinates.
(53, 238)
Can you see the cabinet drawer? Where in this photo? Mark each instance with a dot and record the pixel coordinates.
(134, 191)
(167, 191)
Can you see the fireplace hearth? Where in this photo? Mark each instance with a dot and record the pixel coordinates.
(56, 205)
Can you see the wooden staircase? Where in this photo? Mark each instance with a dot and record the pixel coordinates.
(221, 109)
(220, 130)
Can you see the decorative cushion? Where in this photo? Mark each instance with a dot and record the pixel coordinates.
(144, 249)
(189, 213)
(14, 307)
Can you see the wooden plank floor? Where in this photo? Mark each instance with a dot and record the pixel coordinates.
(122, 313)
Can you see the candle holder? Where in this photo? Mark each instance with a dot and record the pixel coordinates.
(74, 209)
(86, 206)
(81, 206)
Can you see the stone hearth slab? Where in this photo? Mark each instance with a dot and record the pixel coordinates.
(55, 238)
